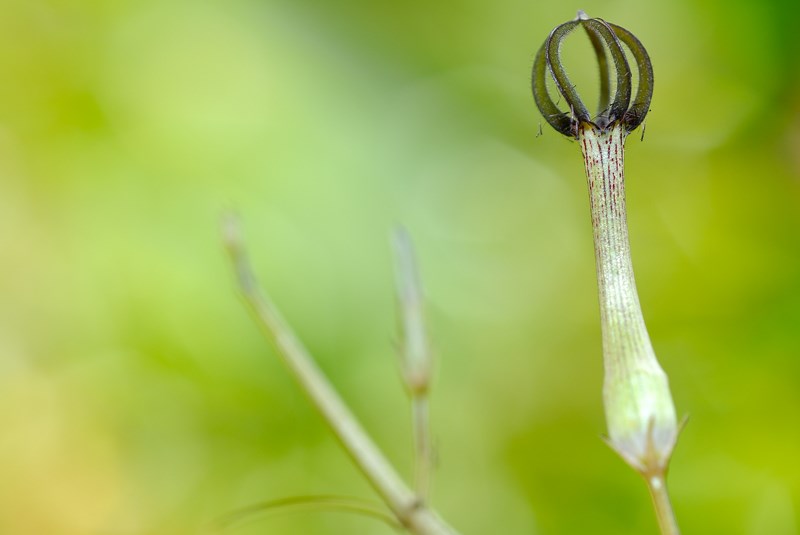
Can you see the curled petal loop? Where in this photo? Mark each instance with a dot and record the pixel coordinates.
(607, 39)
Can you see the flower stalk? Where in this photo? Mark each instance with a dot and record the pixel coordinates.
(416, 358)
(640, 413)
(407, 508)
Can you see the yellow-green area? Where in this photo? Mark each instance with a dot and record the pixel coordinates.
(136, 394)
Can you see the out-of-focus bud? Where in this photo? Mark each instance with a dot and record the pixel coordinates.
(415, 350)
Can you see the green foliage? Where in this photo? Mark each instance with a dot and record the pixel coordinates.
(136, 395)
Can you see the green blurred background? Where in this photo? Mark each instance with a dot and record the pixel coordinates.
(136, 395)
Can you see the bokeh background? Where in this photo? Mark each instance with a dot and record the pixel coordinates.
(136, 395)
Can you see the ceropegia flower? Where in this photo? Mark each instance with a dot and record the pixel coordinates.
(640, 414)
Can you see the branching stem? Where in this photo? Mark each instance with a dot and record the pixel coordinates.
(409, 510)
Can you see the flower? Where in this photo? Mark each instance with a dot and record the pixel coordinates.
(640, 413)
(605, 38)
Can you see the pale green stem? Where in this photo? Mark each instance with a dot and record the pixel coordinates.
(423, 459)
(406, 506)
(657, 484)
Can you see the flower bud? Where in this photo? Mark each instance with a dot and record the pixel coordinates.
(415, 351)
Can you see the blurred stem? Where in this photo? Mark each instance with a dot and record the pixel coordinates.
(424, 450)
(416, 357)
(414, 515)
(657, 485)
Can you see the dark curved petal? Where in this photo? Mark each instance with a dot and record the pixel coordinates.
(641, 104)
(564, 86)
(602, 61)
(558, 119)
(622, 97)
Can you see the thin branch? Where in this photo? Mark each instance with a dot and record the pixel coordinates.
(337, 504)
(417, 360)
(423, 459)
(405, 505)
